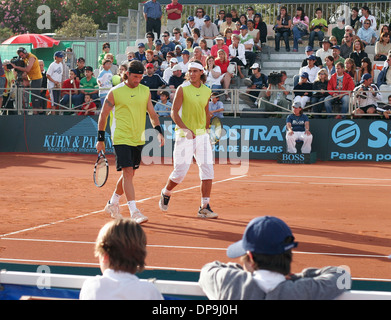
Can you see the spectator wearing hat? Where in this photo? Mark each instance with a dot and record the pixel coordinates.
(154, 81)
(257, 81)
(303, 90)
(153, 16)
(325, 51)
(311, 69)
(248, 42)
(308, 52)
(366, 96)
(184, 64)
(266, 256)
(298, 129)
(339, 87)
(140, 54)
(174, 15)
(366, 14)
(54, 77)
(178, 53)
(188, 27)
(177, 78)
(366, 34)
(168, 71)
(219, 45)
(209, 30)
(318, 27)
(337, 54)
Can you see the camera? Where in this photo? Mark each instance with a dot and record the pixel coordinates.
(274, 78)
(17, 61)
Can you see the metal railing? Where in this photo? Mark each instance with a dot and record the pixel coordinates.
(19, 102)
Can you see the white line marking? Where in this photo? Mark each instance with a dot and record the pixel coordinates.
(98, 211)
(322, 177)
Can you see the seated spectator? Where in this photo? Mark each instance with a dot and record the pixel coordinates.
(140, 54)
(255, 33)
(354, 20)
(228, 36)
(149, 45)
(366, 15)
(185, 61)
(80, 68)
(150, 59)
(386, 110)
(358, 52)
(188, 27)
(104, 80)
(209, 30)
(366, 67)
(69, 96)
(228, 23)
(220, 19)
(303, 90)
(163, 106)
(248, 42)
(262, 27)
(88, 108)
(177, 78)
(318, 27)
(347, 46)
(339, 87)
(311, 69)
(309, 51)
(178, 53)
(339, 31)
(158, 51)
(197, 55)
(300, 23)
(352, 32)
(366, 96)
(114, 67)
(105, 50)
(266, 256)
(320, 92)
(366, 34)
(282, 29)
(88, 85)
(298, 129)
(167, 45)
(350, 68)
(235, 16)
(153, 81)
(337, 54)
(330, 66)
(325, 51)
(121, 250)
(213, 74)
(130, 56)
(257, 81)
(189, 44)
(223, 62)
(204, 47)
(219, 45)
(382, 47)
(276, 95)
(384, 78)
(237, 54)
(216, 107)
(167, 62)
(199, 18)
(178, 39)
(168, 72)
(196, 35)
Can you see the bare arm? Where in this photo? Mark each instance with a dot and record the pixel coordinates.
(102, 121)
(176, 106)
(154, 117)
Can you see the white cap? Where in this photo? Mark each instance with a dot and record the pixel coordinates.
(174, 60)
(255, 66)
(176, 68)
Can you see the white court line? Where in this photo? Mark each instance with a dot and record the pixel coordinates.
(201, 248)
(98, 211)
(318, 183)
(322, 177)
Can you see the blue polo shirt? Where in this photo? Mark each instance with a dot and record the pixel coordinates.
(153, 9)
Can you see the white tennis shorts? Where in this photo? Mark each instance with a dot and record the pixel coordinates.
(185, 149)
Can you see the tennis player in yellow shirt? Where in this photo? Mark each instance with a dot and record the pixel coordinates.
(127, 105)
(190, 112)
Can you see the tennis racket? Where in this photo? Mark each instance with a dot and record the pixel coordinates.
(215, 130)
(101, 170)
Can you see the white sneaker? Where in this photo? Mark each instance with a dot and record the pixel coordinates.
(163, 202)
(138, 217)
(113, 210)
(207, 213)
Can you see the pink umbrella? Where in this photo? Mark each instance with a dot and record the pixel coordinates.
(37, 40)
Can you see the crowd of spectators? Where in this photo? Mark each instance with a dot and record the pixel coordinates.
(226, 45)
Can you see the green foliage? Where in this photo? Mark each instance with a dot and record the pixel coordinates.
(78, 27)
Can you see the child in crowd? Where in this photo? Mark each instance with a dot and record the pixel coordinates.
(163, 106)
(89, 106)
(386, 109)
(216, 107)
(105, 80)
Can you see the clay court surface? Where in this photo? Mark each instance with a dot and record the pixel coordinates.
(339, 212)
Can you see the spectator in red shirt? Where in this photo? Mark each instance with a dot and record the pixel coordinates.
(174, 15)
(73, 84)
(89, 106)
(219, 45)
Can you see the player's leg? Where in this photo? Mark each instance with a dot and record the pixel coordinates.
(112, 206)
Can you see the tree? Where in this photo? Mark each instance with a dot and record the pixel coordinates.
(78, 27)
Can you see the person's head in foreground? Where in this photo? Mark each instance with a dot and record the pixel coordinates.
(266, 244)
(121, 246)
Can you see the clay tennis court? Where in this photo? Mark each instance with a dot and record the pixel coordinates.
(339, 212)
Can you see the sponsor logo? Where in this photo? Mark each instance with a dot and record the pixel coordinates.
(346, 133)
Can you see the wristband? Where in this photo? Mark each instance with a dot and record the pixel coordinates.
(101, 135)
(159, 129)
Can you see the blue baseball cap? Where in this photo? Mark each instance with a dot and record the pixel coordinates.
(308, 48)
(311, 57)
(206, 18)
(141, 45)
(190, 18)
(304, 75)
(243, 27)
(263, 235)
(59, 54)
(365, 76)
